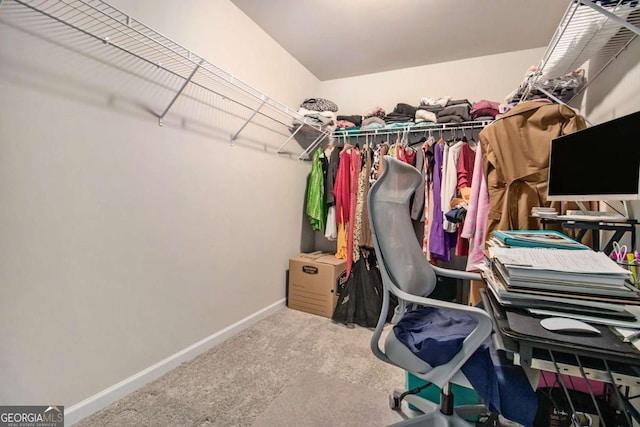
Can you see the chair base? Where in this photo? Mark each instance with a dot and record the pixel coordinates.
(435, 419)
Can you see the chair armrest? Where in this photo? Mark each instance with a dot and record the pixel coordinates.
(456, 274)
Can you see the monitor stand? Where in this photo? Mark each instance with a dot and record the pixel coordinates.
(587, 212)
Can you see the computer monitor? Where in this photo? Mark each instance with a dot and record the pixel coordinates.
(599, 163)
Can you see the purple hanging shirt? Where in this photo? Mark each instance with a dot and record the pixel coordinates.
(440, 242)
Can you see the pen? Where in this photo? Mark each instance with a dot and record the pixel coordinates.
(632, 336)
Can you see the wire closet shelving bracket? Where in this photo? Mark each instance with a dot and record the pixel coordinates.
(98, 20)
(588, 32)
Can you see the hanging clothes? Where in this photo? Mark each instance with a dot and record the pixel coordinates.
(384, 151)
(331, 229)
(475, 224)
(363, 228)
(354, 173)
(418, 199)
(316, 206)
(516, 160)
(341, 191)
(407, 155)
(375, 163)
(465, 179)
(466, 161)
(449, 182)
(440, 241)
(393, 150)
(428, 200)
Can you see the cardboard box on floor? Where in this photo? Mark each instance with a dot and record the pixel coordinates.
(313, 282)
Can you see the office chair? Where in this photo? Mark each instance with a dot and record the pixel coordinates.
(408, 275)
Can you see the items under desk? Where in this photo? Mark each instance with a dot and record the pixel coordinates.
(604, 358)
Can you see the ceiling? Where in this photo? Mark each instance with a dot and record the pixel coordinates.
(343, 38)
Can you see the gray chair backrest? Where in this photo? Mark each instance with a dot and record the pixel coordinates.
(400, 257)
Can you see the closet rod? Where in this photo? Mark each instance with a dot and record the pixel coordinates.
(415, 129)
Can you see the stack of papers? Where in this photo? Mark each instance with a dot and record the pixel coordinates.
(579, 282)
(532, 262)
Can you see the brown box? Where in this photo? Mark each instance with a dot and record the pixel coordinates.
(313, 282)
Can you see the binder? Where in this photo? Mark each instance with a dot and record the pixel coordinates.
(537, 239)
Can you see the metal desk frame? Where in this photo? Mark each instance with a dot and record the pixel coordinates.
(559, 358)
(619, 228)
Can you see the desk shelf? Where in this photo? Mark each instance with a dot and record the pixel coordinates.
(619, 228)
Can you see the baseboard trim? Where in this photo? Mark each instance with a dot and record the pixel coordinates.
(106, 397)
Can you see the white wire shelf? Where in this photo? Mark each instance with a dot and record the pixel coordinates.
(424, 130)
(129, 45)
(588, 33)
(477, 124)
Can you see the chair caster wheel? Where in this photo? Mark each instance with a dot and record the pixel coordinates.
(394, 400)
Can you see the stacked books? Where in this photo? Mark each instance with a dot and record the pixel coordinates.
(576, 281)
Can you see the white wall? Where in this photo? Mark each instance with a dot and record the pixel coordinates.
(615, 93)
(123, 242)
(490, 77)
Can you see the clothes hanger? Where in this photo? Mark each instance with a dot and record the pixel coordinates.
(472, 142)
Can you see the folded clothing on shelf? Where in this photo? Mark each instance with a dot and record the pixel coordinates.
(425, 116)
(450, 118)
(563, 88)
(484, 108)
(398, 117)
(319, 104)
(435, 102)
(375, 112)
(318, 120)
(406, 109)
(355, 119)
(372, 123)
(345, 124)
(461, 110)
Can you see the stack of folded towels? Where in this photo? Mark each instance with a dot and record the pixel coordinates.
(320, 112)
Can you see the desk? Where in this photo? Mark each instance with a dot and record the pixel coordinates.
(619, 228)
(604, 358)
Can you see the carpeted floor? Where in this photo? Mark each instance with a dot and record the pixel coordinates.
(319, 400)
(268, 373)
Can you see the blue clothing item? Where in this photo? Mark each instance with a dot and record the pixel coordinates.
(435, 335)
(373, 125)
(400, 125)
